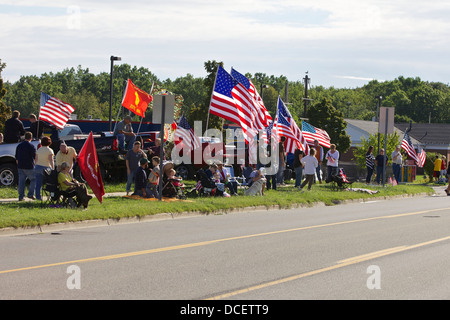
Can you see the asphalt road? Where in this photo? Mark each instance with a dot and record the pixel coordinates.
(382, 249)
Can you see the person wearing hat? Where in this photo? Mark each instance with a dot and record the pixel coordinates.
(140, 182)
(124, 133)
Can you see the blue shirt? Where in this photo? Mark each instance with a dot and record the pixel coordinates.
(25, 154)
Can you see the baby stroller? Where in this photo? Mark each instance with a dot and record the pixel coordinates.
(172, 187)
(206, 186)
(340, 181)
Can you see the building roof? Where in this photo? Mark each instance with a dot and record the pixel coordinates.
(428, 133)
(357, 129)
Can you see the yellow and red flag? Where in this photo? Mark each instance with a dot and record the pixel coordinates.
(88, 162)
(135, 99)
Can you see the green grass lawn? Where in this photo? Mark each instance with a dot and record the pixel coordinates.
(32, 213)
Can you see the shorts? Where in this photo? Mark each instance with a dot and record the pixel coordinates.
(436, 174)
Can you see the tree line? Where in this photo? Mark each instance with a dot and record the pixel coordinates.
(414, 100)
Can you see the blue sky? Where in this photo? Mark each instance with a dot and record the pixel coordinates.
(340, 43)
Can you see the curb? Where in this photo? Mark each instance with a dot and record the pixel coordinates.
(53, 228)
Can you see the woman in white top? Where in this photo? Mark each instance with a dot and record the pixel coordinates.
(332, 157)
(43, 160)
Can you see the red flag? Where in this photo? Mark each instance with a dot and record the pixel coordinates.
(135, 99)
(89, 167)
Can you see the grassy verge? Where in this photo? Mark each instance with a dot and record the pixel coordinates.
(29, 214)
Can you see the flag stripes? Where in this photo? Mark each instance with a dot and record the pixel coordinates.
(54, 111)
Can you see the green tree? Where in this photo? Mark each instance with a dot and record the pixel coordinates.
(359, 154)
(324, 116)
(5, 112)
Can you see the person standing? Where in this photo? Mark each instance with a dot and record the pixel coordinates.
(397, 160)
(132, 163)
(370, 164)
(281, 160)
(124, 133)
(381, 161)
(332, 157)
(14, 129)
(298, 167)
(43, 161)
(25, 156)
(310, 164)
(319, 157)
(65, 154)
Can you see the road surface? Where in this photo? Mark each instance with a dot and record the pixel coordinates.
(380, 249)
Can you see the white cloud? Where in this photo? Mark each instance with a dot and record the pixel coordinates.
(374, 38)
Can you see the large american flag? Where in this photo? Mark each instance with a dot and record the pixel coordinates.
(262, 116)
(422, 156)
(408, 147)
(230, 100)
(312, 133)
(55, 111)
(287, 127)
(185, 133)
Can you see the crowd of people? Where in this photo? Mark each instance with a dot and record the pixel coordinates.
(143, 166)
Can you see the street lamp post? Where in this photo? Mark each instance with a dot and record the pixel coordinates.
(112, 58)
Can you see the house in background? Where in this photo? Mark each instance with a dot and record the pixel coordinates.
(358, 129)
(433, 137)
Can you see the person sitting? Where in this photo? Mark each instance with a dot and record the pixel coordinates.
(225, 178)
(176, 181)
(124, 133)
(258, 184)
(68, 183)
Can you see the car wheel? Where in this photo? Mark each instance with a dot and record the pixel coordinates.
(8, 175)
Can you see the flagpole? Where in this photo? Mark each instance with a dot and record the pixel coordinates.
(123, 96)
(212, 92)
(142, 118)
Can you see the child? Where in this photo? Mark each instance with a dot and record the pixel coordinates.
(140, 182)
(153, 178)
(176, 181)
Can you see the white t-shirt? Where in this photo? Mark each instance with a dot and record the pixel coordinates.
(398, 160)
(332, 158)
(310, 164)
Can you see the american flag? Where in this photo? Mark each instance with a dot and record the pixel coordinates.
(422, 156)
(312, 133)
(55, 111)
(408, 147)
(185, 133)
(230, 100)
(262, 116)
(286, 126)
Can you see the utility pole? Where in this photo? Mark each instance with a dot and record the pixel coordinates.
(306, 79)
(286, 92)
